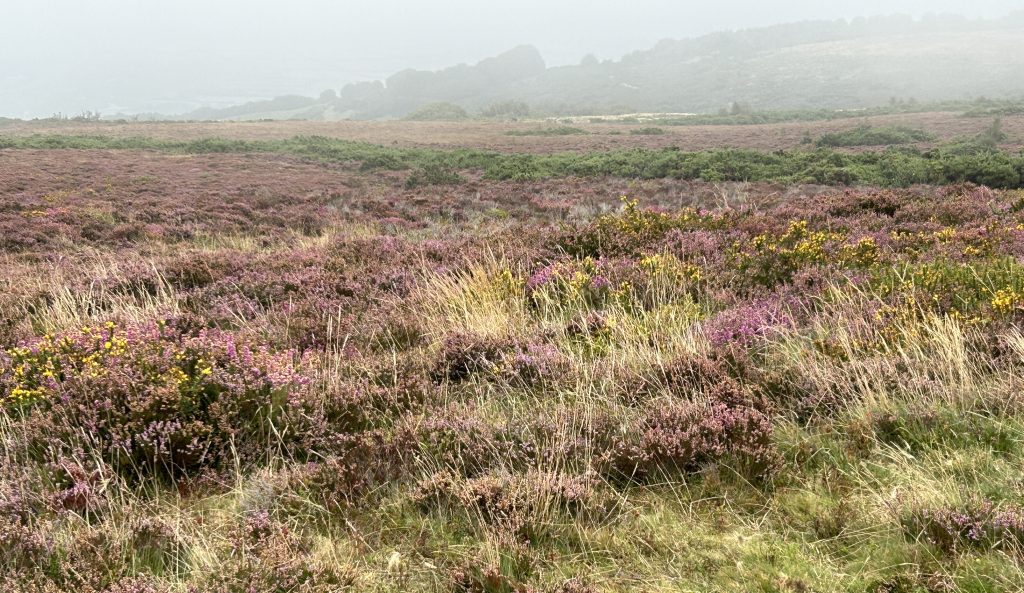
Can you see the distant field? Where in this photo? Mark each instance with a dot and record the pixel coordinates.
(943, 126)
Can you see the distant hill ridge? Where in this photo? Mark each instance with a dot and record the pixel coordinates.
(807, 65)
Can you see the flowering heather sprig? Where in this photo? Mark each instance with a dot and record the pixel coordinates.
(542, 277)
(747, 324)
(599, 282)
(726, 426)
(533, 363)
(700, 247)
(21, 547)
(84, 488)
(134, 584)
(979, 524)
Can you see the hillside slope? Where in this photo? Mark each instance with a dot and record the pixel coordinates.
(822, 64)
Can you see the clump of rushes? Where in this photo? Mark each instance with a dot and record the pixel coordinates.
(463, 356)
(525, 505)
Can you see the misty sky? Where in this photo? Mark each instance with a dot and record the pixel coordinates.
(155, 55)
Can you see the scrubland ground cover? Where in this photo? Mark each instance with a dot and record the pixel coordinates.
(698, 133)
(266, 371)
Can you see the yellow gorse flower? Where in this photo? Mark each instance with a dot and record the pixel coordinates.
(35, 372)
(1005, 300)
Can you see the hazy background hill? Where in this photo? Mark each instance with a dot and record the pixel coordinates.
(817, 64)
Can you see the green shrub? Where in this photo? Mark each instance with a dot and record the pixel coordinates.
(993, 135)
(387, 161)
(559, 131)
(866, 135)
(647, 132)
(439, 112)
(433, 174)
(510, 109)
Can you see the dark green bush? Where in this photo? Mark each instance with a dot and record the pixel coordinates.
(438, 112)
(866, 135)
(647, 132)
(433, 174)
(509, 109)
(559, 131)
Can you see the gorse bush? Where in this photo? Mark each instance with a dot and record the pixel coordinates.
(770, 259)
(629, 232)
(866, 135)
(986, 289)
(433, 174)
(152, 399)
